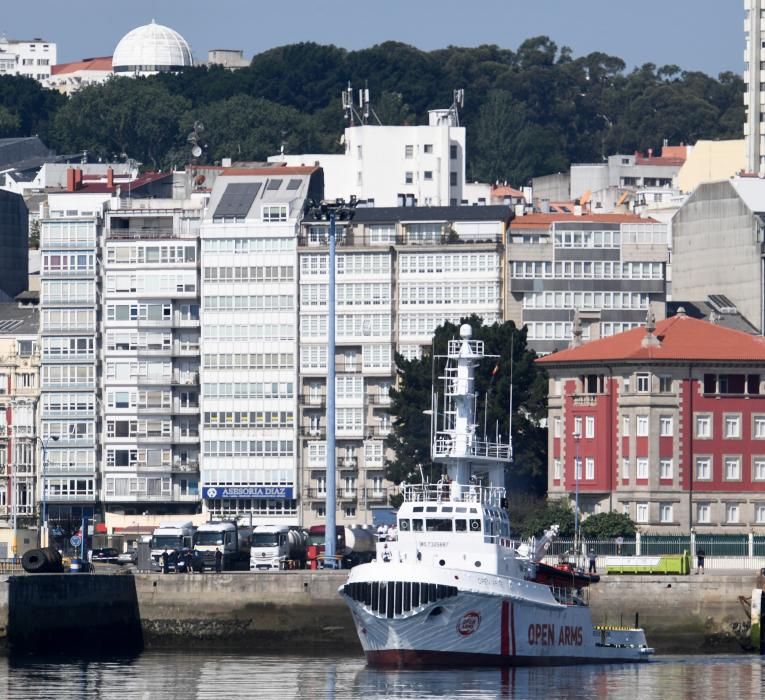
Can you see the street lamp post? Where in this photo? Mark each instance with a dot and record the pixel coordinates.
(43, 485)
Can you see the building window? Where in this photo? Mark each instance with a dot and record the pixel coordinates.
(758, 469)
(274, 213)
(732, 384)
(453, 179)
(732, 513)
(556, 427)
(665, 512)
(589, 426)
(641, 510)
(665, 426)
(350, 511)
(759, 513)
(409, 178)
(577, 426)
(642, 426)
(578, 468)
(703, 468)
(643, 383)
(409, 151)
(626, 426)
(758, 428)
(589, 465)
(453, 152)
(625, 468)
(556, 469)
(732, 425)
(703, 512)
(427, 175)
(665, 384)
(427, 148)
(704, 426)
(733, 468)
(665, 469)
(642, 468)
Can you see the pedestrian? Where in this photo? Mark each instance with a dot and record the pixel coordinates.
(700, 554)
(165, 557)
(218, 560)
(592, 557)
(380, 533)
(189, 562)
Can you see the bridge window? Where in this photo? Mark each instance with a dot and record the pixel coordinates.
(438, 525)
(460, 525)
(417, 524)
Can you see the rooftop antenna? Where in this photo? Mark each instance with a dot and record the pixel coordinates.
(458, 102)
(194, 139)
(348, 111)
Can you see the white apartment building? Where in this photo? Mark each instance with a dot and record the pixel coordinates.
(149, 351)
(69, 316)
(32, 58)
(387, 164)
(249, 329)
(754, 77)
(400, 273)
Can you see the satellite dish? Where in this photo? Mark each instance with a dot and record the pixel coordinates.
(196, 151)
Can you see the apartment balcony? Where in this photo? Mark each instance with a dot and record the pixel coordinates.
(378, 399)
(153, 410)
(69, 498)
(68, 274)
(139, 497)
(373, 495)
(319, 433)
(185, 379)
(316, 400)
(144, 380)
(185, 409)
(152, 439)
(152, 351)
(69, 386)
(185, 438)
(179, 322)
(189, 467)
(185, 351)
(347, 463)
(88, 358)
(150, 234)
(46, 414)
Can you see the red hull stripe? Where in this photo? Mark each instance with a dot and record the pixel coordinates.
(512, 624)
(504, 624)
(409, 658)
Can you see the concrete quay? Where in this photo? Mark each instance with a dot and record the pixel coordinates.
(300, 611)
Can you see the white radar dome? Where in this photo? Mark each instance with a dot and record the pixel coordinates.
(466, 331)
(152, 48)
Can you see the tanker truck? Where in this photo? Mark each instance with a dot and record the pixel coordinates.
(278, 547)
(170, 537)
(231, 538)
(356, 544)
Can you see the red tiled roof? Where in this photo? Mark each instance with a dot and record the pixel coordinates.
(538, 220)
(99, 63)
(123, 184)
(505, 191)
(681, 338)
(277, 170)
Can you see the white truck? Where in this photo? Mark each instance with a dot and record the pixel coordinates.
(228, 536)
(278, 547)
(172, 538)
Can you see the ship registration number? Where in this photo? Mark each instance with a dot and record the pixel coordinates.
(547, 635)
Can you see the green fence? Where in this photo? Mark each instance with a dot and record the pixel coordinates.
(656, 545)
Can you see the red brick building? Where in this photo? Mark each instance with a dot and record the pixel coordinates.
(665, 423)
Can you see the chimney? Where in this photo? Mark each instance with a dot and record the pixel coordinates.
(577, 210)
(110, 177)
(77, 178)
(70, 180)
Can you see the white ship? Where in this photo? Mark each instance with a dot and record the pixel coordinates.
(453, 589)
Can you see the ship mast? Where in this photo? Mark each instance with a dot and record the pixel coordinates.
(454, 441)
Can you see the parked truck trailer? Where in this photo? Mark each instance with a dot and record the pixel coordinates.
(278, 547)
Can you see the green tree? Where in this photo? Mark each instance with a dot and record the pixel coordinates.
(10, 124)
(530, 517)
(602, 526)
(133, 116)
(410, 436)
(33, 105)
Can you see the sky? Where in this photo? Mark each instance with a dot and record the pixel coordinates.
(704, 35)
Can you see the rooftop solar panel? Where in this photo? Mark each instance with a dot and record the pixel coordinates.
(237, 200)
(294, 184)
(274, 184)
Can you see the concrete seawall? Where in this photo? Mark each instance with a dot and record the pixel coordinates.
(301, 611)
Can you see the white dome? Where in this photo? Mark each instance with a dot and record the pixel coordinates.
(152, 48)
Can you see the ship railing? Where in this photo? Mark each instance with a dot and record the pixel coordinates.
(570, 596)
(444, 446)
(442, 492)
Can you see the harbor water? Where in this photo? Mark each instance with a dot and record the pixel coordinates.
(188, 676)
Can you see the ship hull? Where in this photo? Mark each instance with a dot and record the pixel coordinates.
(481, 627)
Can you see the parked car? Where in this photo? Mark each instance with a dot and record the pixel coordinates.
(128, 557)
(105, 555)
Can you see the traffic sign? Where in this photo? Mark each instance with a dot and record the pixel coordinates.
(75, 540)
